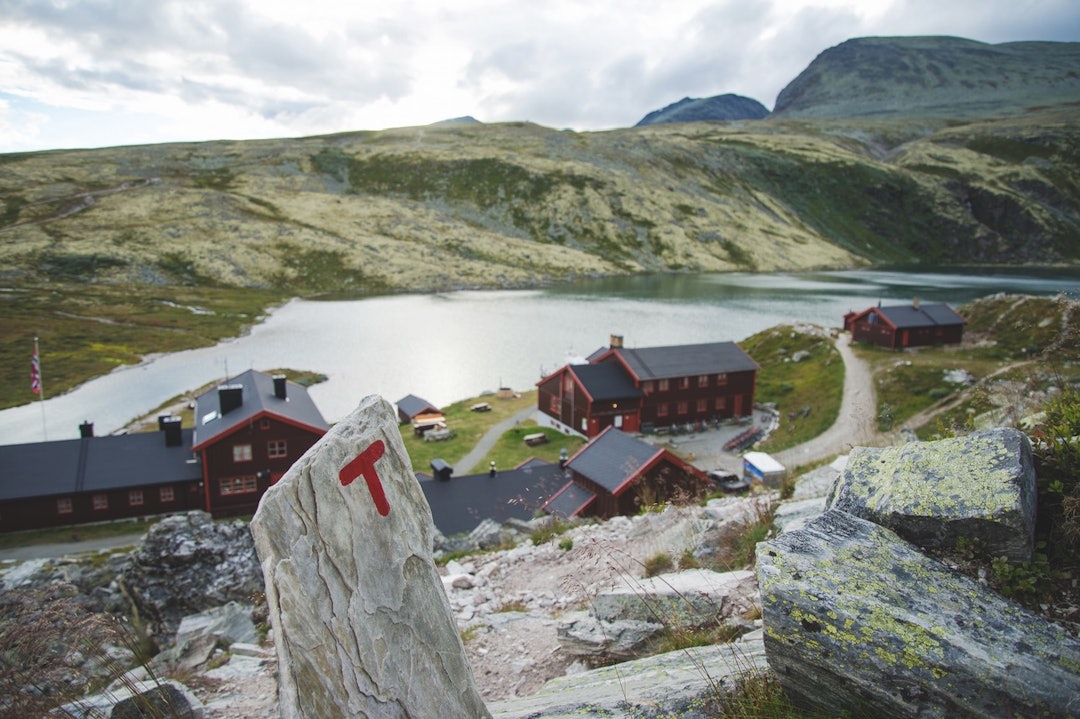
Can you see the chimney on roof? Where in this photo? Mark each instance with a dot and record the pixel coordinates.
(171, 426)
(230, 397)
(280, 390)
(915, 303)
(86, 430)
(616, 342)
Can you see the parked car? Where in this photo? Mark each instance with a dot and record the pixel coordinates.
(728, 481)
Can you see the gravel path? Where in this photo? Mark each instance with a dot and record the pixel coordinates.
(468, 463)
(854, 426)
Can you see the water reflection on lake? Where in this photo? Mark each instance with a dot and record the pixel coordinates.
(446, 347)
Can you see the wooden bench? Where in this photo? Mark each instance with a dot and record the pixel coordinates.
(534, 439)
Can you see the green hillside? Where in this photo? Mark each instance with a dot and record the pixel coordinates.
(119, 252)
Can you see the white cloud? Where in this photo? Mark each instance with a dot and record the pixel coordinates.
(199, 69)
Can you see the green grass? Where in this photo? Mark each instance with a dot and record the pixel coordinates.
(816, 382)
(468, 426)
(511, 450)
(89, 330)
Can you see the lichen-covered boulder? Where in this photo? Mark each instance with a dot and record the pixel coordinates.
(362, 626)
(858, 620)
(980, 488)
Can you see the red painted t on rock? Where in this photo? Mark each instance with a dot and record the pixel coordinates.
(364, 465)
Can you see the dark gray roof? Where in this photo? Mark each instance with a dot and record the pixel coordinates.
(686, 360)
(139, 460)
(570, 500)
(605, 381)
(612, 458)
(258, 398)
(922, 316)
(94, 464)
(461, 503)
(411, 405)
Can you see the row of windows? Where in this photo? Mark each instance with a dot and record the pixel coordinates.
(702, 381)
(275, 449)
(100, 501)
(664, 409)
(664, 385)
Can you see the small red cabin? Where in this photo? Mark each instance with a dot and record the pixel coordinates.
(618, 474)
(903, 326)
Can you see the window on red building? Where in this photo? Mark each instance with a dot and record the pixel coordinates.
(703, 380)
(277, 448)
(703, 405)
(165, 494)
(684, 383)
(238, 485)
(663, 385)
(64, 506)
(135, 498)
(721, 403)
(241, 453)
(682, 408)
(721, 379)
(100, 502)
(662, 410)
(648, 386)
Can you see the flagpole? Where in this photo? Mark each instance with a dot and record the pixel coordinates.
(40, 389)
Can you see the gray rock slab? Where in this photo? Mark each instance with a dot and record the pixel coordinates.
(228, 623)
(788, 513)
(166, 698)
(673, 684)
(979, 487)
(678, 599)
(581, 634)
(362, 625)
(858, 620)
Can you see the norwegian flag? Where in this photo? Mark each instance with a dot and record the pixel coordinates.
(35, 372)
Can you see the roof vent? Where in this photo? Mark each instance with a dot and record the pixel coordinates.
(616, 341)
(86, 430)
(280, 390)
(915, 303)
(230, 397)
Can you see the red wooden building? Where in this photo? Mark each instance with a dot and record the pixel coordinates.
(617, 474)
(902, 326)
(247, 434)
(633, 389)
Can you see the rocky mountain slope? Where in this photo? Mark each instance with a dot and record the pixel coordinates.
(458, 205)
(516, 204)
(933, 77)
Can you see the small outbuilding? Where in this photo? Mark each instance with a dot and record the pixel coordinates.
(410, 406)
(617, 474)
(903, 326)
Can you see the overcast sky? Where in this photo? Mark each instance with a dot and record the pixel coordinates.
(93, 73)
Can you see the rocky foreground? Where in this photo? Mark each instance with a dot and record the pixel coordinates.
(538, 614)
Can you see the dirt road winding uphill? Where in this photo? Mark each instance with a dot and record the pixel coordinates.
(854, 426)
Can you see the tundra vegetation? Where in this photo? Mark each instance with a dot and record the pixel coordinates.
(113, 254)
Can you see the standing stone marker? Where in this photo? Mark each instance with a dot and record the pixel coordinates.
(362, 625)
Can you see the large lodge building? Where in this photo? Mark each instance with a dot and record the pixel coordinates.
(247, 434)
(634, 390)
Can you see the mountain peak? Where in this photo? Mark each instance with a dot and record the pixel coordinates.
(720, 107)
